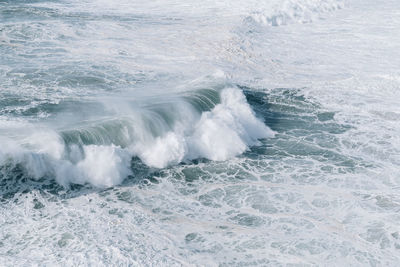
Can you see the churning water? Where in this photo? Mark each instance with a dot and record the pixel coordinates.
(229, 133)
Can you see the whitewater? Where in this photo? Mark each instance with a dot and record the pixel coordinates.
(199, 133)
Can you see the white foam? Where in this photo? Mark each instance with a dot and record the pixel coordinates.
(104, 165)
(163, 151)
(228, 129)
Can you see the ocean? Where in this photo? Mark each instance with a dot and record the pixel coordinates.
(199, 133)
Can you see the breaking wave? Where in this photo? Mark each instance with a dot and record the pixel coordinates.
(208, 123)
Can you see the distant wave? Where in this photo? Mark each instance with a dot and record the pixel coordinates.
(292, 11)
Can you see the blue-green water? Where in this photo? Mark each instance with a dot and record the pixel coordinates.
(263, 133)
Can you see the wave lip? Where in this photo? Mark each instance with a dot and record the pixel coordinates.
(212, 124)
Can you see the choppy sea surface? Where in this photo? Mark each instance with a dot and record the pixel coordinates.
(200, 133)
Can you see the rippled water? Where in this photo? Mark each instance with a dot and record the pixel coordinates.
(199, 133)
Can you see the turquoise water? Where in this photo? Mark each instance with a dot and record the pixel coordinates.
(222, 134)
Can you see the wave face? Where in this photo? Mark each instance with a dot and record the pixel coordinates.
(204, 133)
